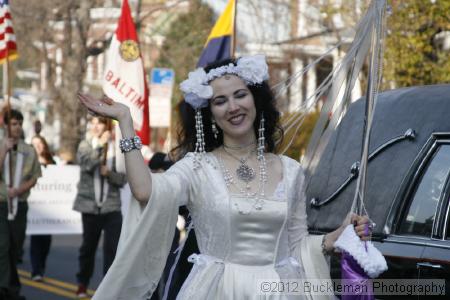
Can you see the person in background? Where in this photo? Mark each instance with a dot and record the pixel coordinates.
(37, 126)
(40, 243)
(65, 157)
(98, 200)
(21, 160)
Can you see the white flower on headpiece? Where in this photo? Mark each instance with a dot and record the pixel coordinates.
(253, 69)
(220, 71)
(195, 101)
(196, 89)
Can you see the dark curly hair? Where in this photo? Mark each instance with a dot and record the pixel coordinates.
(264, 103)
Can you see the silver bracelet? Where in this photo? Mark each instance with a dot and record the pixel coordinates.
(128, 144)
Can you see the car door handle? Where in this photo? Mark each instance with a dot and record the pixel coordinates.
(429, 265)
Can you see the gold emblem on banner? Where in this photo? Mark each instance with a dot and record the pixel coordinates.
(129, 50)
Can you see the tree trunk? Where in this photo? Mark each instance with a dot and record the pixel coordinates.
(74, 49)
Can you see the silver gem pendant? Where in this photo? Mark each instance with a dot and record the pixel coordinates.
(259, 203)
(245, 173)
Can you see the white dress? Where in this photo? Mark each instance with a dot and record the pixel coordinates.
(240, 246)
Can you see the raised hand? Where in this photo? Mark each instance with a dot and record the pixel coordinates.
(137, 171)
(105, 107)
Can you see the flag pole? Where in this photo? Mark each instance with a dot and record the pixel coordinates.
(6, 94)
(104, 159)
(233, 40)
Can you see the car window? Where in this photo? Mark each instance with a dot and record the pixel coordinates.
(421, 213)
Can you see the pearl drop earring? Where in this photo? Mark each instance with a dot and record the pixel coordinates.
(261, 138)
(200, 143)
(214, 129)
(261, 157)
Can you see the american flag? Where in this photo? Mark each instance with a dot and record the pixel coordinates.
(8, 46)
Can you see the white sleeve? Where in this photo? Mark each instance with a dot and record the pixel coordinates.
(145, 240)
(297, 227)
(179, 176)
(304, 247)
(146, 237)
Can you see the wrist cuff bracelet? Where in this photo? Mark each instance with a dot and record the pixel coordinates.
(128, 144)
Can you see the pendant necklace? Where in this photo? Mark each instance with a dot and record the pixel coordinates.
(258, 197)
(244, 172)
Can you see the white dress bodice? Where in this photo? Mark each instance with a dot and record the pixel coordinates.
(254, 234)
(239, 244)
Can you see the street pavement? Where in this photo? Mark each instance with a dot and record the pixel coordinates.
(62, 265)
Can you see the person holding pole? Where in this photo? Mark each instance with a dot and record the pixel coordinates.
(20, 171)
(98, 200)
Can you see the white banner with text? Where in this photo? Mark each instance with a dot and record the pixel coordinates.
(51, 200)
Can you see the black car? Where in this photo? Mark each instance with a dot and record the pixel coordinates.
(408, 181)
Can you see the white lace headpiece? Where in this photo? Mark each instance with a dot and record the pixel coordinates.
(197, 91)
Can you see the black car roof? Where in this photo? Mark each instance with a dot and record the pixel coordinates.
(425, 109)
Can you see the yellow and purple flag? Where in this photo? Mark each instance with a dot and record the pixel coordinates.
(219, 44)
